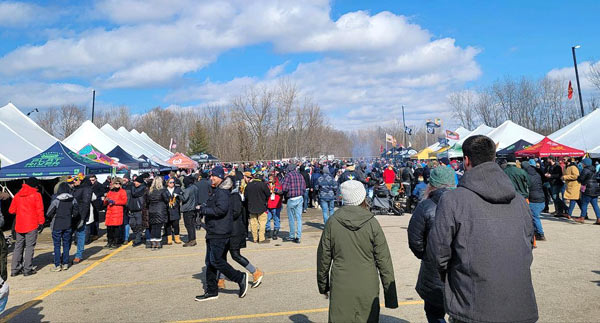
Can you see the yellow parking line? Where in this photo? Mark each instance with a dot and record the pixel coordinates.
(60, 286)
(261, 315)
(154, 282)
(203, 250)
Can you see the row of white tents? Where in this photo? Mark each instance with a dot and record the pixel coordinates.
(22, 138)
(581, 134)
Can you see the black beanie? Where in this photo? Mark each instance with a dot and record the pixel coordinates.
(32, 181)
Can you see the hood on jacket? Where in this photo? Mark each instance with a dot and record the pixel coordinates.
(227, 184)
(353, 217)
(64, 196)
(490, 182)
(528, 169)
(27, 190)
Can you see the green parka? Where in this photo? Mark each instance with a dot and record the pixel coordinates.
(354, 248)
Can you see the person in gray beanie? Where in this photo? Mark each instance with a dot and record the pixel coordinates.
(352, 257)
(429, 285)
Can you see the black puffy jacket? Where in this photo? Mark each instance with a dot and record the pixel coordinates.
(83, 195)
(238, 214)
(157, 207)
(136, 203)
(173, 203)
(218, 219)
(429, 285)
(536, 189)
(588, 178)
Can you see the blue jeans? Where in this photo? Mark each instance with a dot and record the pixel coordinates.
(305, 198)
(294, 211)
(80, 238)
(275, 215)
(559, 204)
(327, 208)
(572, 204)
(585, 200)
(536, 210)
(126, 227)
(61, 237)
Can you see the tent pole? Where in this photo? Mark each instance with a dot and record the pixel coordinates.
(93, 103)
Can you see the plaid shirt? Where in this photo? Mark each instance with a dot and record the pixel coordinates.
(294, 184)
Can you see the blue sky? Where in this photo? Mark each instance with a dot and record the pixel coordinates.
(360, 60)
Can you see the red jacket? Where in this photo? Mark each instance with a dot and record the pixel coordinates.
(29, 208)
(389, 176)
(275, 188)
(114, 213)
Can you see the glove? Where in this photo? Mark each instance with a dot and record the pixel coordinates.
(111, 202)
(40, 228)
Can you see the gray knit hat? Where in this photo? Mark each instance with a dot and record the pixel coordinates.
(442, 176)
(353, 192)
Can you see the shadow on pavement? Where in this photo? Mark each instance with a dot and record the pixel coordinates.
(317, 225)
(596, 281)
(300, 318)
(31, 314)
(557, 219)
(391, 319)
(201, 276)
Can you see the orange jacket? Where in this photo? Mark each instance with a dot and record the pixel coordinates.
(114, 213)
(29, 208)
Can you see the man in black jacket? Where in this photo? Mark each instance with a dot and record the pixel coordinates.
(204, 190)
(135, 205)
(98, 190)
(536, 196)
(256, 195)
(82, 192)
(554, 175)
(219, 226)
(481, 243)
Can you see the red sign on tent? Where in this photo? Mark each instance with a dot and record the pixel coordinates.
(547, 147)
(180, 160)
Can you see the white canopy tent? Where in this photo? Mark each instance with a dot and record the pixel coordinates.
(149, 151)
(130, 147)
(153, 143)
(86, 134)
(20, 137)
(509, 132)
(483, 129)
(581, 134)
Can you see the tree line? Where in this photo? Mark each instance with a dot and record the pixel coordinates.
(262, 123)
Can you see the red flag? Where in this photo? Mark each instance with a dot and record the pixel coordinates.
(570, 91)
(381, 148)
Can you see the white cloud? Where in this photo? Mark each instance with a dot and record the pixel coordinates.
(16, 14)
(42, 95)
(160, 71)
(568, 74)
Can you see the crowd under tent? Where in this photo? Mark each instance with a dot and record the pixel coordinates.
(21, 137)
(87, 134)
(509, 132)
(581, 134)
(57, 160)
(547, 147)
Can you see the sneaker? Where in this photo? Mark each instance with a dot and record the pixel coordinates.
(540, 237)
(16, 273)
(56, 269)
(221, 283)
(190, 243)
(257, 278)
(76, 260)
(297, 240)
(206, 297)
(29, 273)
(243, 285)
(289, 239)
(65, 267)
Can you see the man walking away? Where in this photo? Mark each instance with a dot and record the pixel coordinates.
(188, 207)
(517, 176)
(536, 196)
(204, 190)
(29, 209)
(328, 190)
(554, 175)
(293, 185)
(219, 226)
(481, 243)
(256, 195)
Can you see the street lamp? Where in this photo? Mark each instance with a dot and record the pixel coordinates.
(577, 78)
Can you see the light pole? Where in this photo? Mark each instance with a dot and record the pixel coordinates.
(577, 78)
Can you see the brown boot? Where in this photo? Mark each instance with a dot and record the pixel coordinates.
(190, 243)
(177, 240)
(169, 240)
(221, 283)
(579, 219)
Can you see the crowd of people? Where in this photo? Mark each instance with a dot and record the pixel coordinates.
(460, 206)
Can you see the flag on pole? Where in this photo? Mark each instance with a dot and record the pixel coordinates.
(452, 135)
(408, 131)
(430, 130)
(173, 145)
(389, 138)
(570, 91)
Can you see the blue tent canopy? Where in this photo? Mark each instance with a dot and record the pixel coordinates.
(57, 160)
(124, 157)
(519, 145)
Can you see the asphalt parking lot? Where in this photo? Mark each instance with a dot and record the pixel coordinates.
(135, 284)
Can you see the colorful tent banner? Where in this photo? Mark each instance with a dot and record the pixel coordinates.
(548, 147)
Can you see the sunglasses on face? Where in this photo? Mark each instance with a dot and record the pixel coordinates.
(171, 182)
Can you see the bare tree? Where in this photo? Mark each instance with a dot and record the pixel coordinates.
(594, 75)
(463, 107)
(47, 120)
(70, 117)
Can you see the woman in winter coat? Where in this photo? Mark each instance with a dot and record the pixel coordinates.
(352, 257)
(573, 191)
(274, 205)
(536, 196)
(63, 209)
(591, 192)
(156, 202)
(173, 197)
(115, 201)
(429, 285)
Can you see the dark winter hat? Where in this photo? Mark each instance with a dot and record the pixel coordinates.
(218, 172)
(139, 179)
(32, 181)
(188, 180)
(445, 160)
(511, 158)
(127, 176)
(587, 162)
(442, 176)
